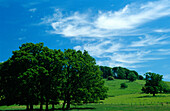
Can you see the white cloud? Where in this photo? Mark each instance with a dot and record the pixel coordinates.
(166, 77)
(163, 51)
(106, 24)
(162, 30)
(97, 32)
(32, 9)
(148, 41)
(112, 53)
(21, 38)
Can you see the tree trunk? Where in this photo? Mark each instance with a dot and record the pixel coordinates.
(153, 94)
(47, 105)
(41, 106)
(41, 103)
(28, 107)
(53, 107)
(68, 102)
(64, 104)
(68, 105)
(31, 107)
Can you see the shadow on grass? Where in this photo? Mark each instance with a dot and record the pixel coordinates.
(60, 109)
(150, 96)
(84, 108)
(111, 95)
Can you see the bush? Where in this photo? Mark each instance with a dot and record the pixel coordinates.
(141, 77)
(110, 78)
(123, 85)
(132, 77)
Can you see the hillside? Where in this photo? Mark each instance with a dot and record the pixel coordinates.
(132, 94)
(115, 90)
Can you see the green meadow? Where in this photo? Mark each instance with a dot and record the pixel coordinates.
(128, 99)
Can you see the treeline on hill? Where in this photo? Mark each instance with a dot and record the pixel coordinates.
(120, 73)
(154, 83)
(38, 75)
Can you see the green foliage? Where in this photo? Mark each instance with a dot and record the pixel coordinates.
(164, 87)
(110, 78)
(123, 85)
(141, 77)
(107, 71)
(82, 80)
(153, 83)
(123, 73)
(132, 77)
(36, 74)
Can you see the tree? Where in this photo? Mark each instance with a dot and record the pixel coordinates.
(132, 77)
(82, 81)
(123, 85)
(123, 73)
(140, 77)
(153, 83)
(36, 74)
(107, 71)
(32, 73)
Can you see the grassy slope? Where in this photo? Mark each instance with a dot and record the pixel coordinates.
(115, 90)
(129, 99)
(132, 94)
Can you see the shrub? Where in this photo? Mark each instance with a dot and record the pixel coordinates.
(123, 85)
(141, 77)
(110, 78)
(132, 77)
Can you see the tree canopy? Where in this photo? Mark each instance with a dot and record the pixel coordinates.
(36, 74)
(124, 73)
(153, 83)
(107, 71)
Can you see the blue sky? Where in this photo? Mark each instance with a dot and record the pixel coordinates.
(130, 33)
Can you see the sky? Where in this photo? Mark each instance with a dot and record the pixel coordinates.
(129, 33)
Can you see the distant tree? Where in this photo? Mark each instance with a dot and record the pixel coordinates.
(135, 73)
(132, 77)
(164, 88)
(153, 83)
(119, 72)
(107, 71)
(140, 77)
(123, 85)
(123, 73)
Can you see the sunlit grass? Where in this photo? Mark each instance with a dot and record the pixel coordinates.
(128, 99)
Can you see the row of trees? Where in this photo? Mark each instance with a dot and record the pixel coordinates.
(120, 73)
(38, 75)
(154, 83)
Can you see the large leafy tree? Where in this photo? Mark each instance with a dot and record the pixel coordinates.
(153, 83)
(33, 68)
(82, 82)
(36, 74)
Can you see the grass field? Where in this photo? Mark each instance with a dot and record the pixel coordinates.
(128, 99)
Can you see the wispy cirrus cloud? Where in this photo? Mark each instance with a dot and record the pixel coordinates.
(162, 30)
(149, 40)
(113, 53)
(32, 9)
(106, 24)
(98, 32)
